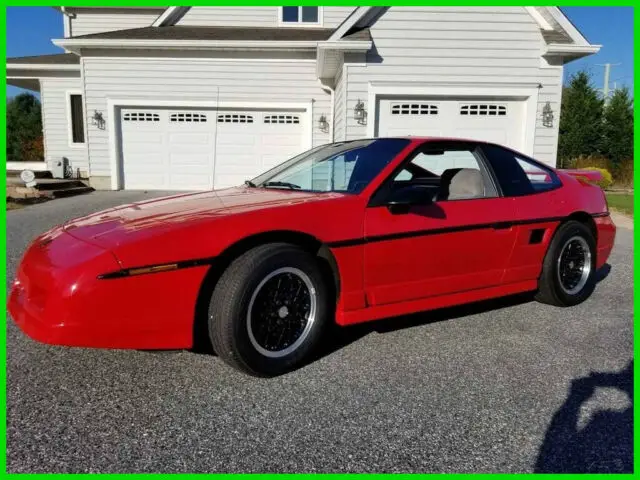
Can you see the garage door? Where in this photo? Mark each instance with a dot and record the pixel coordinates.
(478, 119)
(165, 149)
(249, 143)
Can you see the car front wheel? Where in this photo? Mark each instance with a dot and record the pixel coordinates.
(269, 309)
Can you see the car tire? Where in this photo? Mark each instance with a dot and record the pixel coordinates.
(269, 309)
(569, 268)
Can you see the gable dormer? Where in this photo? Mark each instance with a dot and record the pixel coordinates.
(307, 16)
(88, 20)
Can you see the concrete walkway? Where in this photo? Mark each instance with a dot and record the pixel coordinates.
(622, 221)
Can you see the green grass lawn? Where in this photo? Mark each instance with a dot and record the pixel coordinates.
(623, 202)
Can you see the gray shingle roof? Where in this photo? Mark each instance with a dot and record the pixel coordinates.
(59, 58)
(183, 32)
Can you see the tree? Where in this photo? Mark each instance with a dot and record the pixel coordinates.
(618, 127)
(24, 128)
(580, 119)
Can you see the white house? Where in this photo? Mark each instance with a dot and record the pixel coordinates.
(206, 97)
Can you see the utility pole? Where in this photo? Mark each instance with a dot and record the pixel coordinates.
(607, 72)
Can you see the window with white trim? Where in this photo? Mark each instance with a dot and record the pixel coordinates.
(141, 117)
(235, 118)
(413, 109)
(310, 15)
(281, 119)
(188, 117)
(76, 118)
(483, 109)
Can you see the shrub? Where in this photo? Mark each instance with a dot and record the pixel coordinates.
(32, 150)
(606, 180)
(623, 175)
(591, 161)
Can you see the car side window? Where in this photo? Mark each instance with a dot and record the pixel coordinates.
(518, 175)
(542, 179)
(450, 174)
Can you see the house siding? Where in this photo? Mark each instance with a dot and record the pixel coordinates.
(242, 81)
(340, 104)
(456, 44)
(254, 16)
(96, 20)
(55, 120)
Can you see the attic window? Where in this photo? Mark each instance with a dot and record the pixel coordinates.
(483, 109)
(291, 15)
(413, 109)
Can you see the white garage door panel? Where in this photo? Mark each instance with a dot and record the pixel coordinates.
(167, 149)
(176, 149)
(492, 120)
(189, 139)
(251, 142)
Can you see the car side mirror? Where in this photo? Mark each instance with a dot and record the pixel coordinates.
(401, 200)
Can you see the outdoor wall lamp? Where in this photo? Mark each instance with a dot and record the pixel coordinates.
(324, 124)
(359, 113)
(547, 115)
(98, 120)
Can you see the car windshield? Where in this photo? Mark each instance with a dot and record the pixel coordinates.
(346, 167)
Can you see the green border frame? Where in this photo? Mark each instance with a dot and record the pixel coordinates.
(3, 333)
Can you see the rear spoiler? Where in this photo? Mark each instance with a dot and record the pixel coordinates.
(588, 175)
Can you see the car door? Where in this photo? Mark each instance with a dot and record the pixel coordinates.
(539, 207)
(455, 242)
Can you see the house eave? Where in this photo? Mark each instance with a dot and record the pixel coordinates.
(569, 51)
(42, 67)
(76, 45)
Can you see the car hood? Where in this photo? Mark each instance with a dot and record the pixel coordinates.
(112, 227)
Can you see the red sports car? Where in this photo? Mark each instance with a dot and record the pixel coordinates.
(347, 232)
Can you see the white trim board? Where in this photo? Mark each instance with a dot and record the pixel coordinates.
(75, 45)
(537, 16)
(115, 104)
(527, 91)
(35, 166)
(43, 66)
(170, 16)
(349, 22)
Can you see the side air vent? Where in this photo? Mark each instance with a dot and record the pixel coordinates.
(536, 236)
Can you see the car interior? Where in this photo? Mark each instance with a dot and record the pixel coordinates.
(471, 180)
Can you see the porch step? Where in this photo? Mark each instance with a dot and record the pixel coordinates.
(70, 192)
(47, 183)
(45, 188)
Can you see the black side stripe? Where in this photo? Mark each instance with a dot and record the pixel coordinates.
(198, 262)
(148, 269)
(440, 231)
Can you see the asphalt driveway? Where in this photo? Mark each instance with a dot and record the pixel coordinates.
(504, 386)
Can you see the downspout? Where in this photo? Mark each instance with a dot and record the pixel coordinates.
(331, 115)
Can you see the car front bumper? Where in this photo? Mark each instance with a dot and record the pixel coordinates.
(58, 299)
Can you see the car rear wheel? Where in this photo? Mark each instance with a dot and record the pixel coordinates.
(568, 271)
(269, 309)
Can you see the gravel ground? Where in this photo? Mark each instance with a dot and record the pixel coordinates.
(507, 386)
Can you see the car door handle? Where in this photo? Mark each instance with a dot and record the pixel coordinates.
(502, 225)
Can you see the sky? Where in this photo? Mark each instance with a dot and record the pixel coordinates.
(30, 30)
